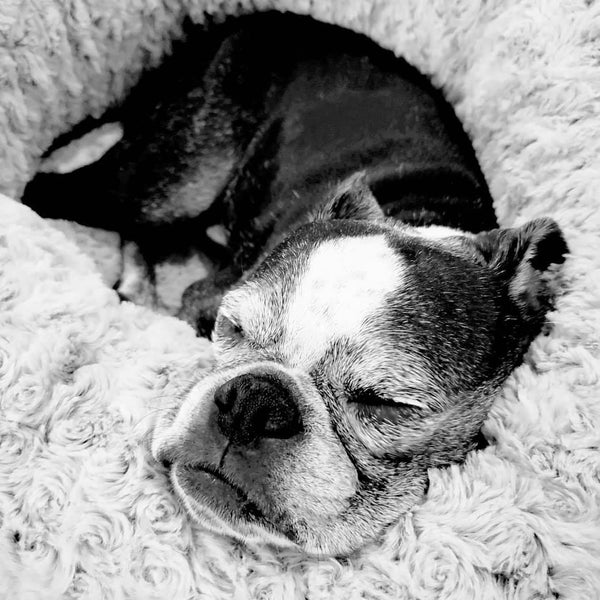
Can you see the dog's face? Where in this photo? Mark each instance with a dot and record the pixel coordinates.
(359, 354)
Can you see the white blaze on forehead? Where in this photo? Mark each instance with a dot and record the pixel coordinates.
(346, 280)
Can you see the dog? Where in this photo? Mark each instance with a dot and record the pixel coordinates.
(367, 308)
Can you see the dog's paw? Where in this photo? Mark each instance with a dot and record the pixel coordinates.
(136, 283)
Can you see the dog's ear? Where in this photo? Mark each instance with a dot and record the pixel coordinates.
(352, 199)
(524, 258)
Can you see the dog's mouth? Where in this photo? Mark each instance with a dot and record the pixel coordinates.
(206, 480)
(221, 504)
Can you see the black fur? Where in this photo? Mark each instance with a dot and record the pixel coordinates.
(268, 115)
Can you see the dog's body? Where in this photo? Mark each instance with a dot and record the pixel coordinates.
(282, 119)
(369, 326)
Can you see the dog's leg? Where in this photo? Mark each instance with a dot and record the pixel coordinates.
(179, 147)
(137, 278)
(89, 195)
(201, 300)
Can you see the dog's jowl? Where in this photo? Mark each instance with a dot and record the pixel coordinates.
(367, 308)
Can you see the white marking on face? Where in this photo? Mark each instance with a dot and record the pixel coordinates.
(346, 281)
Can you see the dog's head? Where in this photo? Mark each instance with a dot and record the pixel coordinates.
(356, 356)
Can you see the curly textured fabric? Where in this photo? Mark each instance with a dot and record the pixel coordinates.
(84, 512)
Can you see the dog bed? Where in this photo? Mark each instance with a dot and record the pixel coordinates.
(84, 511)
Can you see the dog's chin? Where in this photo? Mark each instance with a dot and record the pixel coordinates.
(222, 507)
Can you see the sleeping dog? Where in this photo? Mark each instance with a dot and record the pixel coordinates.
(367, 308)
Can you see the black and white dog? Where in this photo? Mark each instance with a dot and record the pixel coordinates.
(367, 309)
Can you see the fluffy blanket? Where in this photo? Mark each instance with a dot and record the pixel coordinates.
(84, 512)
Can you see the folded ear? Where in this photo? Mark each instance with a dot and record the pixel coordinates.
(352, 199)
(524, 258)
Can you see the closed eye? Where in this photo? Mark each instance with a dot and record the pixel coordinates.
(371, 398)
(229, 329)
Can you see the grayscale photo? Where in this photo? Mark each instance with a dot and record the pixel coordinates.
(300, 300)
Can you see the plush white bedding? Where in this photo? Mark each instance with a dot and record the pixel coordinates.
(84, 513)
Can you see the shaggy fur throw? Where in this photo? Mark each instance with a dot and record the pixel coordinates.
(85, 513)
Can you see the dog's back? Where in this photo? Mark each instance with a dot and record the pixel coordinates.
(325, 104)
(258, 137)
(351, 107)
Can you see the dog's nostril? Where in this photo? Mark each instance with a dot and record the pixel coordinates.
(257, 406)
(225, 396)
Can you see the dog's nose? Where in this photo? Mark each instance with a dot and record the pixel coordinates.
(253, 406)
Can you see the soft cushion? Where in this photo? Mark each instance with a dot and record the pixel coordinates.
(84, 511)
